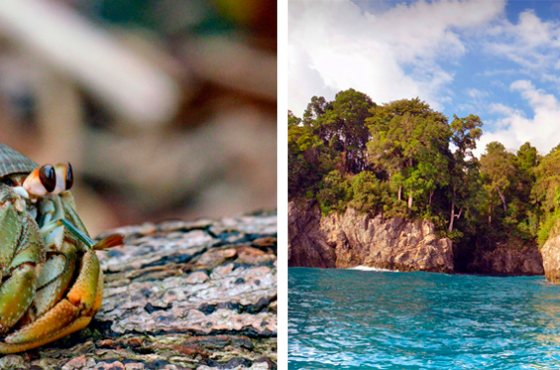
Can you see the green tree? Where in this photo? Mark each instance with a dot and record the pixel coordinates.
(410, 142)
(309, 160)
(315, 109)
(336, 193)
(523, 211)
(463, 172)
(293, 120)
(545, 194)
(341, 125)
(497, 168)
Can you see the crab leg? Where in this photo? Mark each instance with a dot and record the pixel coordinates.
(55, 279)
(65, 315)
(78, 324)
(16, 296)
(18, 290)
(82, 294)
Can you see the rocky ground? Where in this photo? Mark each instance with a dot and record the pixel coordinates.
(179, 295)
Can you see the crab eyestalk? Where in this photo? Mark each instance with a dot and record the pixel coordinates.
(49, 180)
(64, 177)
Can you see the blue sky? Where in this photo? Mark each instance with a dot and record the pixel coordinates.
(497, 59)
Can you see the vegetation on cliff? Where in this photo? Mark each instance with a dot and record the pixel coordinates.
(405, 159)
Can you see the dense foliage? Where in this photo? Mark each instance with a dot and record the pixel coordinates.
(404, 159)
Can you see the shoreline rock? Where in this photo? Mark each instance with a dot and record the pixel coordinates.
(362, 240)
(520, 261)
(350, 240)
(309, 241)
(551, 260)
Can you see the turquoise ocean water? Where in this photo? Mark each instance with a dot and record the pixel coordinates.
(350, 319)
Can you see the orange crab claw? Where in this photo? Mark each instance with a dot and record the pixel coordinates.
(67, 316)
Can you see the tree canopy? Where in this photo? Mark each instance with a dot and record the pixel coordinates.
(405, 159)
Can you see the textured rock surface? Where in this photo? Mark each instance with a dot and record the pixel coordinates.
(307, 246)
(179, 295)
(505, 260)
(551, 259)
(360, 240)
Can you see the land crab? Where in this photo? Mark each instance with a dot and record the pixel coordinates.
(51, 281)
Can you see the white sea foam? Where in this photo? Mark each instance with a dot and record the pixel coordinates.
(367, 268)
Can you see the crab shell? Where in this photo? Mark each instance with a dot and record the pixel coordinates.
(13, 162)
(71, 296)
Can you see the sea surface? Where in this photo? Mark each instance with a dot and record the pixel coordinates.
(350, 319)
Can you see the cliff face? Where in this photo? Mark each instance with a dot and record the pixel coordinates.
(505, 260)
(351, 240)
(307, 246)
(551, 259)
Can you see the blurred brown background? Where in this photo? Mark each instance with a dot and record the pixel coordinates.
(166, 109)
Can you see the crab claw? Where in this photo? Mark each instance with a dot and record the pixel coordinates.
(70, 314)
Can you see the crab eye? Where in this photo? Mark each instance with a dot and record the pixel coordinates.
(40, 181)
(64, 177)
(48, 177)
(69, 177)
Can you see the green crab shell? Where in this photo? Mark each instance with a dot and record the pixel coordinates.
(12, 162)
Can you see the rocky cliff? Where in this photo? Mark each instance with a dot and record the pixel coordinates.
(508, 259)
(551, 259)
(352, 239)
(307, 242)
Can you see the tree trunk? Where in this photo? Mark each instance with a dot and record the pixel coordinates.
(430, 199)
(502, 198)
(410, 200)
(459, 214)
(400, 193)
(170, 301)
(452, 216)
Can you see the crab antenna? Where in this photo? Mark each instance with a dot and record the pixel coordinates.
(109, 242)
(77, 233)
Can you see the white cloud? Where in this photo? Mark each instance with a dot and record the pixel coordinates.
(476, 94)
(502, 109)
(532, 30)
(541, 130)
(534, 45)
(528, 43)
(389, 55)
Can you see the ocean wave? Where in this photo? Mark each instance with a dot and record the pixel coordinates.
(367, 268)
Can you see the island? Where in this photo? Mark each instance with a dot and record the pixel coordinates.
(398, 186)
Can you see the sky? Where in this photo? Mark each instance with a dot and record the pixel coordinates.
(497, 59)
